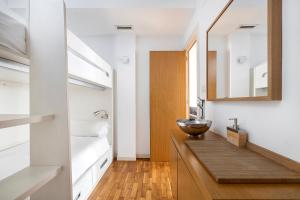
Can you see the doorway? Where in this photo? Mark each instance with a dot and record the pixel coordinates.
(192, 66)
(167, 99)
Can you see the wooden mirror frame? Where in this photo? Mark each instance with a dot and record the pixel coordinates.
(274, 58)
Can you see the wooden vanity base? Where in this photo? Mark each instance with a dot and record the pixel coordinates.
(194, 181)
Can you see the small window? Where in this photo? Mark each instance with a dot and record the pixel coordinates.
(193, 83)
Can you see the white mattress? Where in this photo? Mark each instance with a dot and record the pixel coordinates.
(14, 159)
(12, 33)
(85, 152)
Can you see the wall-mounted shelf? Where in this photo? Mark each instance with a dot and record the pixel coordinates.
(17, 120)
(7, 69)
(27, 181)
(76, 80)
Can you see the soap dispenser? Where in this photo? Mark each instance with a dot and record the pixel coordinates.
(235, 135)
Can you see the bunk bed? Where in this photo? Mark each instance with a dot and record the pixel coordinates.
(91, 156)
(85, 65)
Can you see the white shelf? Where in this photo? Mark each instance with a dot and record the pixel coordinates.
(27, 181)
(17, 120)
(8, 69)
(76, 80)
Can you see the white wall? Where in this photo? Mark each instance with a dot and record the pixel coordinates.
(103, 45)
(259, 49)
(192, 74)
(144, 46)
(83, 102)
(273, 125)
(125, 48)
(14, 95)
(239, 46)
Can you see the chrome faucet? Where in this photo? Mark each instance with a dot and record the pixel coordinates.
(235, 123)
(200, 108)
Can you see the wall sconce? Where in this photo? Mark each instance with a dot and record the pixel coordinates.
(102, 114)
(242, 60)
(124, 60)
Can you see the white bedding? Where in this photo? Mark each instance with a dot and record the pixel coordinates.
(89, 128)
(12, 34)
(85, 152)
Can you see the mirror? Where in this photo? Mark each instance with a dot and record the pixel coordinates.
(238, 54)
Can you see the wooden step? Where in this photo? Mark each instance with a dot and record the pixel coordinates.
(27, 181)
(7, 121)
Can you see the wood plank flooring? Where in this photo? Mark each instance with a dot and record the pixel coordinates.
(135, 180)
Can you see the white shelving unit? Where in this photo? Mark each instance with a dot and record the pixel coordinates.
(50, 142)
(17, 120)
(27, 181)
(21, 77)
(49, 175)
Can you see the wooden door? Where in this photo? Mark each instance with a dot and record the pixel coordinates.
(211, 75)
(167, 99)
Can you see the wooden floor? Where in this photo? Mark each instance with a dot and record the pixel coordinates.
(139, 180)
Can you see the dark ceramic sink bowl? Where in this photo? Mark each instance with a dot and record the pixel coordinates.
(194, 127)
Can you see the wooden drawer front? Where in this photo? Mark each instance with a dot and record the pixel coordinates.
(83, 187)
(173, 163)
(187, 189)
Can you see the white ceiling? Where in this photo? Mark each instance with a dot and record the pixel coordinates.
(242, 12)
(148, 17)
(131, 3)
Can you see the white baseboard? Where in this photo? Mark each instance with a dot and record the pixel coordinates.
(138, 156)
(126, 158)
(142, 156)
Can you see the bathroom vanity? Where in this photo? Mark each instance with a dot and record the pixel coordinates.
(192, 179)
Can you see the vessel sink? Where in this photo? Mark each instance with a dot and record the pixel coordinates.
(194, 127)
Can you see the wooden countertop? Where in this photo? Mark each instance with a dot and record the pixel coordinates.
(212, 190)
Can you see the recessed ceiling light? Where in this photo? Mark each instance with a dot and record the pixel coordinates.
(247, 26)
(124, 27)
